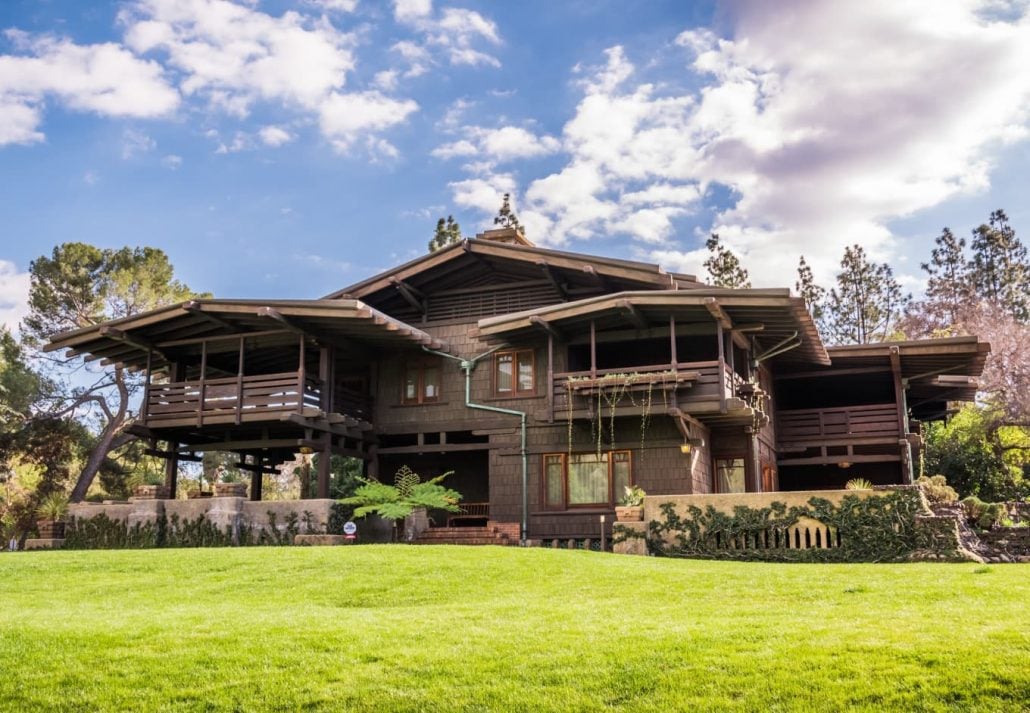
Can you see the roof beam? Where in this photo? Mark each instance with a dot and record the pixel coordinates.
(549, 274)
(194, 307)
(717, 312)
(635, 315)
(546, 326)
(412, 295)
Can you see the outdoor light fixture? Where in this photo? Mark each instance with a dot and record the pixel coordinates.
(685, 448)
(690, 444)
(844, 464)
(306, 450)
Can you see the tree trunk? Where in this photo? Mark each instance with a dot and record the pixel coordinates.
(111, 437)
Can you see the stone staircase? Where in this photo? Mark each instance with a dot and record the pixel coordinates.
(463, 536)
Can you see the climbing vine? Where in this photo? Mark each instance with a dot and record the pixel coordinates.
(872, 529)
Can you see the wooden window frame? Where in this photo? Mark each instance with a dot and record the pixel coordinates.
(420, 367)
(515, 361)
(565, 506)
(715, 473)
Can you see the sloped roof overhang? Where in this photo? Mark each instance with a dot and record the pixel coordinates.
(128, 341)
(646, 274)
(779, 314)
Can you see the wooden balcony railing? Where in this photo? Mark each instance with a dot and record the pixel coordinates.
(229, 399)
(841, 423)
(470, 511)
(692, 381)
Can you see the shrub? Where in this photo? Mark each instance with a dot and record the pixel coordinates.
(936, 489)
(53, 507)
(983, 515)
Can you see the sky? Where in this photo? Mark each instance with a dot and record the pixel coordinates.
(286, 149)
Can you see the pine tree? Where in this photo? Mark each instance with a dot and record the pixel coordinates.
(999, 268)
(506, 217)
(949, 293)
(447, 233)
(813, 294)
(724, 268)
(867, 303)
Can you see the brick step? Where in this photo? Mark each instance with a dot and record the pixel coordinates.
(469, 541)
(462, 536)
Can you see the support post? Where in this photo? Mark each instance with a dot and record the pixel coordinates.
(323, 377)
(239, 383)
(324, 462)
(301, 377)
(722, 367)
(146, 388)
(673, 357)
(203, 384)
(550, 378)
(593, 350)
(256, 478)
(172, 470)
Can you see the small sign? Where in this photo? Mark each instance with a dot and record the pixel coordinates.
(349, 528)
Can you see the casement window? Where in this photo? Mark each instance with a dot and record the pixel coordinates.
(421, 382)
(585, 479)
(514, 373)
(730, 475)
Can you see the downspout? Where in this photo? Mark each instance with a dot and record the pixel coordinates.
(791, 342)
(467, 365)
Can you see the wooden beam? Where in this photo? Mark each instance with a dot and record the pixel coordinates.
(836, 460)
(195, 308)
(546, 326)
(635, 315)
(716, 310)
(558, 286)
(412, 295)
(832, 372)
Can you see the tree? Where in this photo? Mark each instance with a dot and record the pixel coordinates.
(867, 303)
(724, 268)
(80, 285)
(948, 290)
(20, 386)
(999, 268)
(447, 233)
(506, 217)
(812, 293)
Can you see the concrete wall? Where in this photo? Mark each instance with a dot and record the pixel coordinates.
(224, 513)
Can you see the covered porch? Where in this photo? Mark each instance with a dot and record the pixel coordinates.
(264, 380)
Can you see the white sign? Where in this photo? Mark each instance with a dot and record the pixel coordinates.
(349, 528)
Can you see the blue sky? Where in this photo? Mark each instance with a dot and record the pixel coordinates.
(289, 148)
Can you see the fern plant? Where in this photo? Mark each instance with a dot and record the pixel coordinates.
(858, 484)
(408, 492)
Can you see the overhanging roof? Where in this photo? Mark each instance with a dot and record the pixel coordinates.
(780, 315)
(129, 340)
(530, 258)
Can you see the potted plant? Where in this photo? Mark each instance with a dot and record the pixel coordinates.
(51, 513)
(631, 506)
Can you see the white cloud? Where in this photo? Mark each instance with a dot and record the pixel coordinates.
(172, 162)
(135, 143)
(334, 5)
(498, 145)
(343, 117)
(824, 122)
(275, 136)
(386, 80)
(453, 31)
(14, 295)
(103, 79)
(91, 178)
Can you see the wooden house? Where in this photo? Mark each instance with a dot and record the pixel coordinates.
(546, 380)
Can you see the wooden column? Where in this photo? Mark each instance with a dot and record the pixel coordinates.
(172, 470)
(673, 358)
(550, 378)
(900, 403)
(324, 463)
(593, 350)
(325, 388)
(172, 464)
(722, 367)
(239, 383)
(203, 385)
(256, 478)
(301, 377)
(146, 388)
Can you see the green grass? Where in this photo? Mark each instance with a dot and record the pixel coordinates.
(400, 628)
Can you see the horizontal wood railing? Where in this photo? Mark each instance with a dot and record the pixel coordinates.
(844, 422)
(697, 380)
(236, 397)
(470, 511)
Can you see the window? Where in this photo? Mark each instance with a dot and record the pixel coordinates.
(585, 479)
(421, 382)
(729, 475)
(514, 373)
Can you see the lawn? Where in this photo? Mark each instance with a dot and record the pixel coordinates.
(402, 628)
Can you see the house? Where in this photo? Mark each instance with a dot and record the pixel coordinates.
(546, 380)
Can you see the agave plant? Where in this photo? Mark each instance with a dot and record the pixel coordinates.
(858, 484)
(53, 507)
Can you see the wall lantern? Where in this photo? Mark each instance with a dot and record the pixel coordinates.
(306, 450)
(844, 464)
(689, 444)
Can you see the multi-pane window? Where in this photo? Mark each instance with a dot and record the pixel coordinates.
(421, 382)
(585, 479)
(730, 475)
(514, 373)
